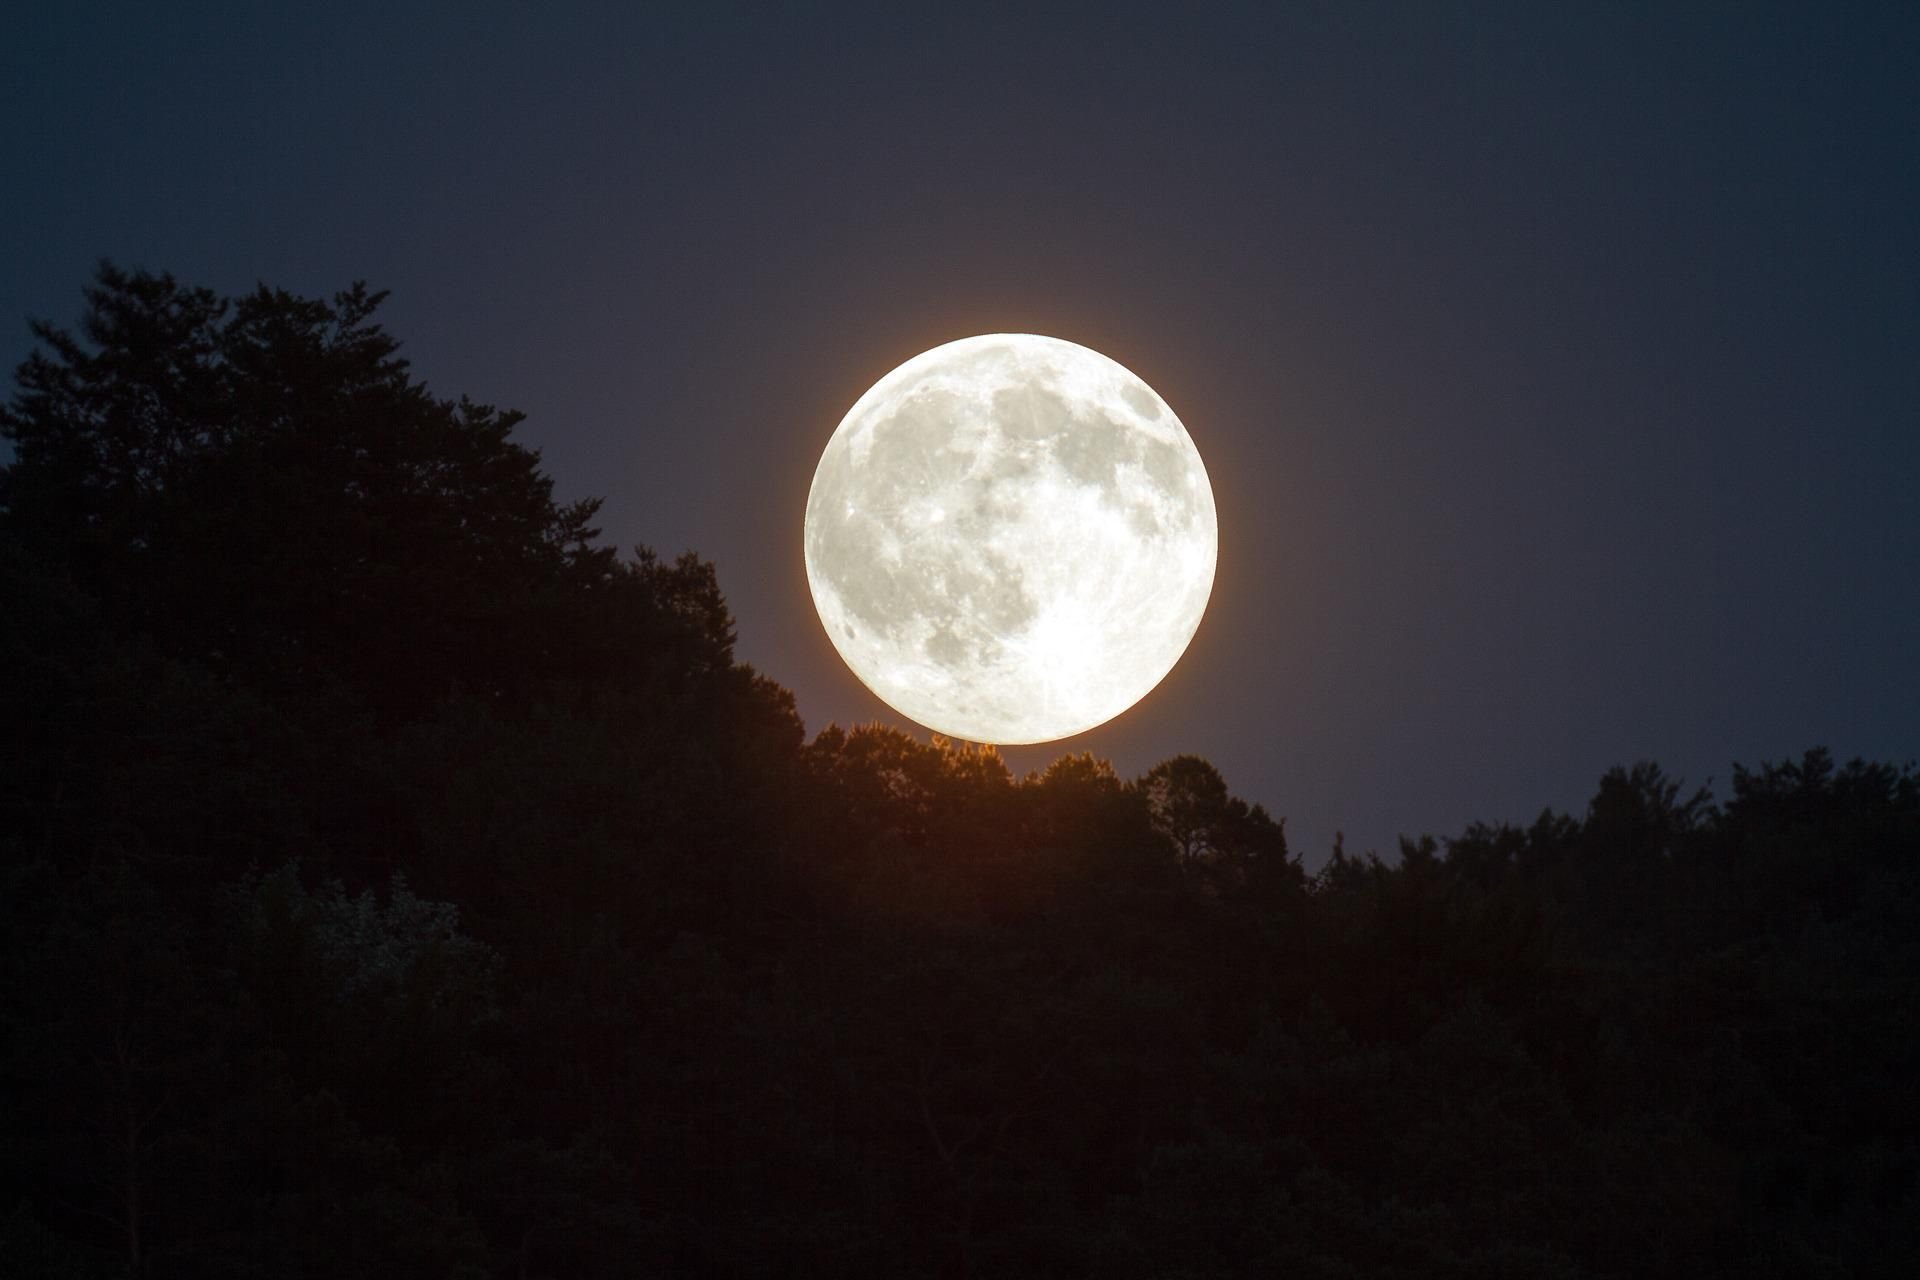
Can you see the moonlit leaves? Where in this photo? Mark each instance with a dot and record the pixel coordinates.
(1010, 539)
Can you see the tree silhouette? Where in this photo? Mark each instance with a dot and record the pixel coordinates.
(260, 486)
(1217, 838)
(394, 881)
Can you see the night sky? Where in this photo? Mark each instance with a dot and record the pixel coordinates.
(1557, 367)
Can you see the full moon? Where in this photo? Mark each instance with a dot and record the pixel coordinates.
(1010, 539)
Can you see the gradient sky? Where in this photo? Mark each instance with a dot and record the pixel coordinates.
(1557, 366)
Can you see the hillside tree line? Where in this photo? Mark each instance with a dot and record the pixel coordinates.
(397, 880)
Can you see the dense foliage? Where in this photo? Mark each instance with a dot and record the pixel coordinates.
(396, 882)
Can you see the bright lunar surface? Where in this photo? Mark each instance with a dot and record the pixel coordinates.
(1010, 539)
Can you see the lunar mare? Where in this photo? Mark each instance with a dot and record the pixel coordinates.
(1010, 539)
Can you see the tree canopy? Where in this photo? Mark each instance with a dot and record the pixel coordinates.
(395, 880)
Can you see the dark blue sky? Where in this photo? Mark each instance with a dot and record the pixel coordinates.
(1557, 366)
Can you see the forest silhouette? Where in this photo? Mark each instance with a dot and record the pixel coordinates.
(398, 881)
